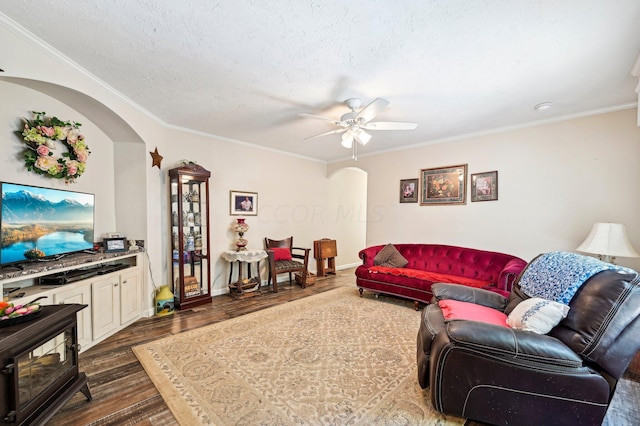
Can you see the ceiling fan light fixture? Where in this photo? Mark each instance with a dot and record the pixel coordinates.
(347, 140)
(353, 122)
(363, 137)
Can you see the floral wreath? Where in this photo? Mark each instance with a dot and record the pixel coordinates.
(41, 134)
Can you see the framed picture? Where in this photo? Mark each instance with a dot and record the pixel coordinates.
(115, 244)
(484, 186)
(243, 203)
(408, 190)
(443, 185)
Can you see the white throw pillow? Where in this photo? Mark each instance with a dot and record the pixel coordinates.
(537, 315)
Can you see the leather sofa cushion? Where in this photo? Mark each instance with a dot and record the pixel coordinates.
(512, 344)
(490, 299)
(589, 329)
(456, 310)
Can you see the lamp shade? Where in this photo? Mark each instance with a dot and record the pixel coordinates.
(608, 239)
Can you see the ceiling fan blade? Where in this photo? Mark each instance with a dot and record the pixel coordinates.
(389, 125)
(373, 109)
(317, 117)
(331, 132)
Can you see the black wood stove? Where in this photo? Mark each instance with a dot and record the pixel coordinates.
(39, 362)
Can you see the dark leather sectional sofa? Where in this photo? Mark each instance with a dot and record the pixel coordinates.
(504, 376)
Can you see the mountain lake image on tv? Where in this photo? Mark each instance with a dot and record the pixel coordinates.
(44, 223)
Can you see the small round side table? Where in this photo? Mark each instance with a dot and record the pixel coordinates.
(244, 287)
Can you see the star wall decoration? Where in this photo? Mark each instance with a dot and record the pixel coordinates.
(157, 158)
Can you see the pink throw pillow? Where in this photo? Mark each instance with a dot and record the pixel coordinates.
(281, 253)
(456, 310)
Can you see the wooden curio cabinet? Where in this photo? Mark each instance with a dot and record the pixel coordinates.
(189, 209)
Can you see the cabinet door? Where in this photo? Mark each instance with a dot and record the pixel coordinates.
(105, 301)
(130, 295)
(81, 295)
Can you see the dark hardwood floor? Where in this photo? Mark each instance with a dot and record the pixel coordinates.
(122, 392)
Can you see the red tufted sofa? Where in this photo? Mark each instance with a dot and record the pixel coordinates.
(429, 263)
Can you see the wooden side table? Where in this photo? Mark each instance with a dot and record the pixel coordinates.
(249, 286)
(325, 249)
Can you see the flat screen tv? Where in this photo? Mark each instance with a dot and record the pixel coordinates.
(43, 223)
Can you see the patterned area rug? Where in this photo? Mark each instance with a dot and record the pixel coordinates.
(328, 359)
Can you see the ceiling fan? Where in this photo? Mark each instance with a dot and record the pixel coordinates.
(353, 124)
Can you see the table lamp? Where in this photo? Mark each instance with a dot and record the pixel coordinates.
(241, 227)
(608, 241)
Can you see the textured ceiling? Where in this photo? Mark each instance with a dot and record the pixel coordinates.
(244, 69)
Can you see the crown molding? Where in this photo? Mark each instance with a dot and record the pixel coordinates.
(42, 45)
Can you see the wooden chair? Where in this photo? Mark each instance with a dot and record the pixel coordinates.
(280, 262)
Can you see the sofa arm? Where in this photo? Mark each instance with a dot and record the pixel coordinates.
(367, 255)
(463, 293)
(507, 343)
(510, 273)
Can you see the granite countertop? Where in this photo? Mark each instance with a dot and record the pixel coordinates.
(75, 259)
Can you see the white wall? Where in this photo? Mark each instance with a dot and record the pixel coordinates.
(18, 102)
(295, 198)
(555, 181)
(130, 183)
(295, 195)
(293, 192)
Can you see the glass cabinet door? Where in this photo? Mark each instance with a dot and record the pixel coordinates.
(45, 365)
(189, 192)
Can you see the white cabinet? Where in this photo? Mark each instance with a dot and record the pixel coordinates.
(114, 299)
(105, 304)
(130, 295)
(80, 295)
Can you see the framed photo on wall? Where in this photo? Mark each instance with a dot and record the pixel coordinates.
(443, 185)
(243, 203)
(484, 186)
(408, 190)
